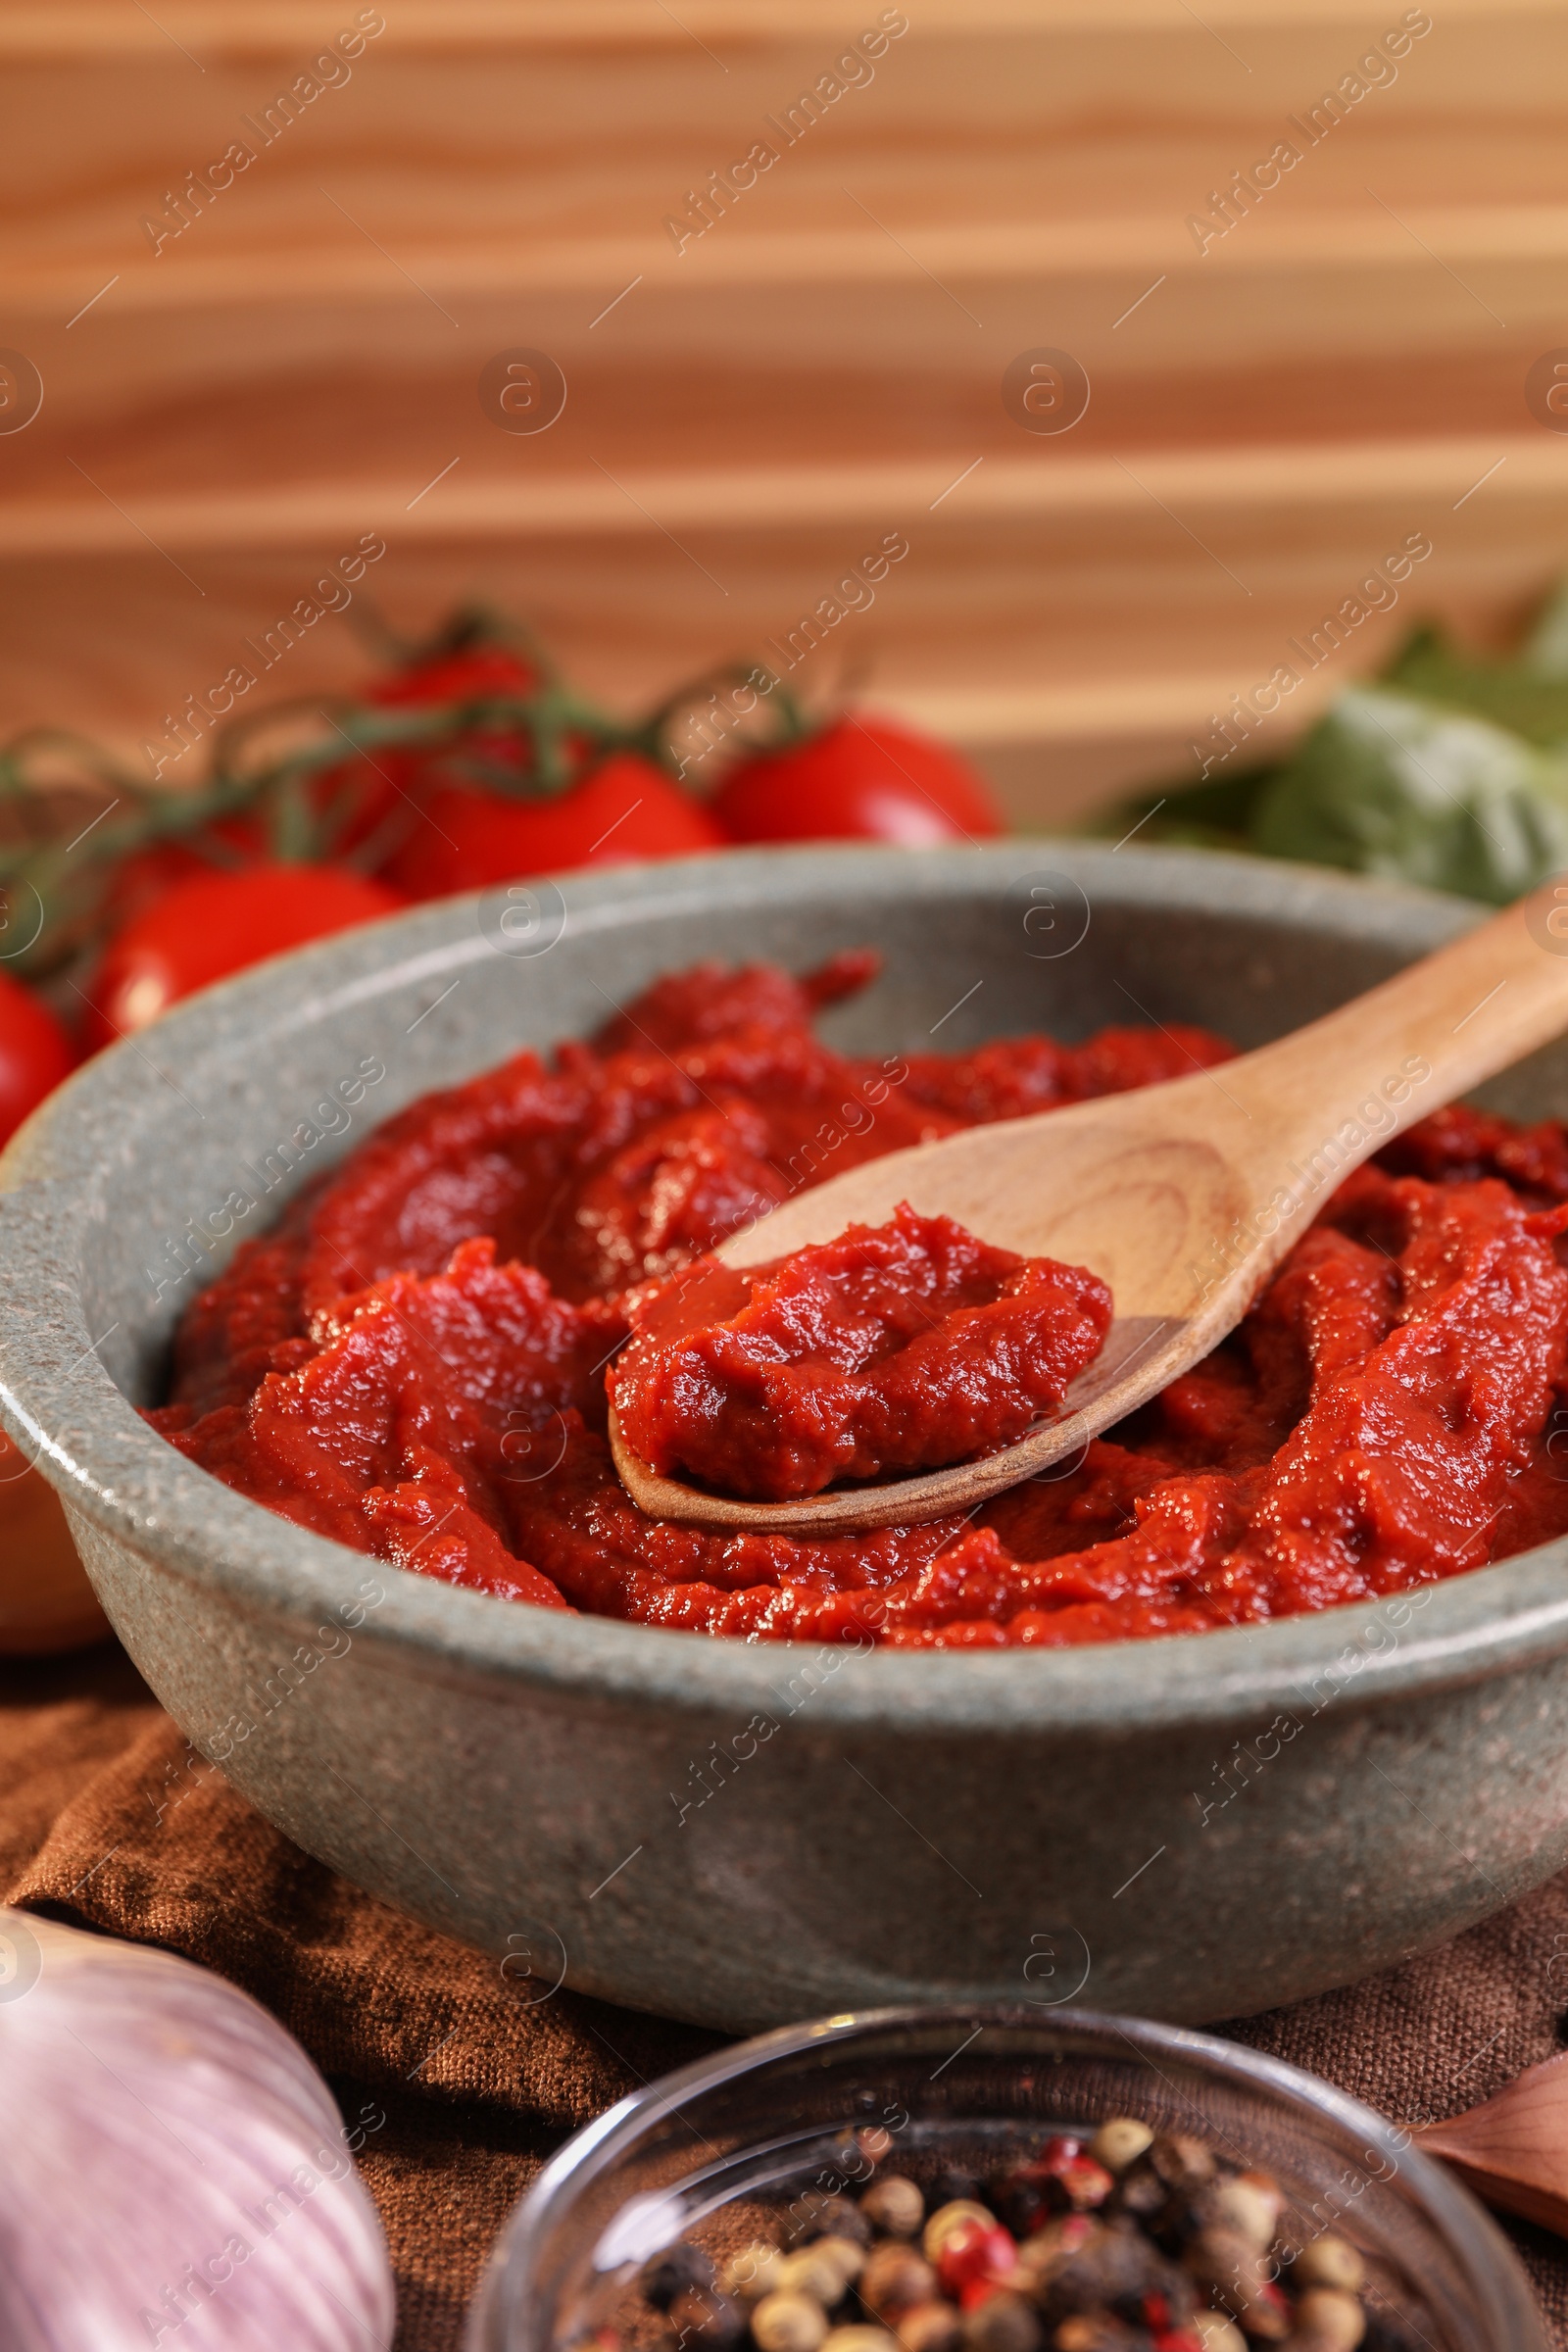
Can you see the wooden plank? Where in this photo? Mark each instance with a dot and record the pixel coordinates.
(1097, 627)
(1067, 155)
(746, 415)
(114, 28)
(1266, 486)
(333, 268)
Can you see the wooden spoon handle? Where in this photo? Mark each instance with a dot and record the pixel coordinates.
(1424, 1037)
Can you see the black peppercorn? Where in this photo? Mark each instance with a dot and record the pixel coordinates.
(702, 2317)
(839, 2217)
(672, 2272)
(1018, 2202)
(1182, 2163)
(1003, 2322)
(1140, 2191)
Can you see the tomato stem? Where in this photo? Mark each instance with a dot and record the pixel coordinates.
(290, 767)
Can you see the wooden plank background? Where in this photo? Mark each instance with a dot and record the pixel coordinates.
(748, 415)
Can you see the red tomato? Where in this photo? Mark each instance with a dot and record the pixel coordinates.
(212, 924)
(136, 880)
(383, 785)
(627, 808)
(35, 1053)
(862, 779)
(456, 677)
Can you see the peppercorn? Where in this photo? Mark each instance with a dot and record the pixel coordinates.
(1118, 2143)
(1084, 2182)
(860, 2339)
(1101, 2256)
(1020, 2201)
(928, 2327)
(813, 2213)
(1176, 2221)
(1245, 2203)
(1182, 2163)
(1099, 2332)
(1062, 2177)
(815, 2270)
(1329, 2261)
(667, 2275)
(839, 2217)
(787, 2321)
(1216, 2333)
(1111, 2266)
(895, 2278)
(1003, 2323)
(1269, 2316)
(1230, 2266)
(1140, 2191)
(752, 2272)
(711, 2321)
(973, 2252)
(1329, 2320)
(894, 2204)
(953, 2216)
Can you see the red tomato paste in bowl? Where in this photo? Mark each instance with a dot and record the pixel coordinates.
(415, 1360)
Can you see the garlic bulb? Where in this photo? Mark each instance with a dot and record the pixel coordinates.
(1512, 2150)
(173, 2170)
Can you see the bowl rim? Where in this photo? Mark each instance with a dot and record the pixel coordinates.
(61, 1406)
(1456, 2213)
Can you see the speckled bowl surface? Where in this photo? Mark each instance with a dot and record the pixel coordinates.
(737, 1833)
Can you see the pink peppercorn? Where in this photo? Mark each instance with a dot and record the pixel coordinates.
(975, 2253)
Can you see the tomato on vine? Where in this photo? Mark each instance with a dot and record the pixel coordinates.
(35, 1053)
(381, 793)
(862, 779)
(212, 924)
(469, 838)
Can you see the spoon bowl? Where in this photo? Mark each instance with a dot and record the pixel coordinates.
(1183, 1197)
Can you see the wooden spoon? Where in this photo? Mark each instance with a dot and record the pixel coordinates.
(1182, 1197)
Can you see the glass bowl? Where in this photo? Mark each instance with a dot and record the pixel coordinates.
(705, 2152)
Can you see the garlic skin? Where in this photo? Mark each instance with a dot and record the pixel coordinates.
(1512, 2150)
(173, 2170)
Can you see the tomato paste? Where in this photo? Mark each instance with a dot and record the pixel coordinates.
(897, 1347)
(413, 1360)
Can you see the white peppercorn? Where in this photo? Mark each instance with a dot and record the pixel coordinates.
(860, 2339)
(1329, 2261)
(1120, 2142)
(895, 2278)
(1243, 2206)
(789, 2322)
(1329, 2320)
(815, 2271)
(933, 2326)
(752, 2272)
(894, 2204)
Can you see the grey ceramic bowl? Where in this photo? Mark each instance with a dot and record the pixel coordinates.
(1189, 1828)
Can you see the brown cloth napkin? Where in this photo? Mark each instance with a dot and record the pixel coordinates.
(106, 1816)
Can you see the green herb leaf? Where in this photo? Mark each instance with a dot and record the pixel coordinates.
(1528, 696)
(1388, 784)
